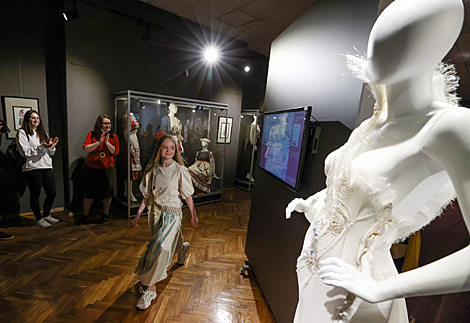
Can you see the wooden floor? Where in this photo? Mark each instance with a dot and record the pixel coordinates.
(72, 273)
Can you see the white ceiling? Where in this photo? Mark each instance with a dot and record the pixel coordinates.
(259, 22)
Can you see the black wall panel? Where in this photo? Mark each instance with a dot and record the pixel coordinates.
(273, 242)
(306, 68)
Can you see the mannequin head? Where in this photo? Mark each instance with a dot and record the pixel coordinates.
(410, 37)
(173, 108)
(205, 143)
(254, 118)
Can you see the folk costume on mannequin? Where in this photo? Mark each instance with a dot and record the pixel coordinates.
(392, 177)
(203, 170)
(254, 134)
(136, 168)
(171, 125)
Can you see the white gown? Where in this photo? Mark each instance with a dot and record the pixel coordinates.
(352, 219)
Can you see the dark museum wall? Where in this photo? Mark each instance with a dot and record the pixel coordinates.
(105, 54)
(23, 74)
(254, 84)
(306, 68)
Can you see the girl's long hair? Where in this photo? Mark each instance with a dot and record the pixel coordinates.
(98, 126)
(43, 136)
(156, 158)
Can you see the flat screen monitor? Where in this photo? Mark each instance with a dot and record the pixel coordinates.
(283, 144)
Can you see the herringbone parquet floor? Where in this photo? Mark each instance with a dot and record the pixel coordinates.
(72, 273)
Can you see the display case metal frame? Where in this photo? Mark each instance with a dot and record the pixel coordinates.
(220, 109)
(240, 180)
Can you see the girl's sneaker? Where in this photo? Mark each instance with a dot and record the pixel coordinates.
(146, 299)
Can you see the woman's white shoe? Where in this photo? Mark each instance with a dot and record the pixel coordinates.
(50, 219)
(43, 224)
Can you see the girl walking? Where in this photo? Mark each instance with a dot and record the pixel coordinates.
(38, 148)
(165, 181)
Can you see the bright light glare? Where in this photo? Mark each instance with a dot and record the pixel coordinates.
(211, 54)
(247, 68)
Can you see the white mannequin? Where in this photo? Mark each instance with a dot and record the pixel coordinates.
(415, 152)
(174, 126)
(203, 170)
(135, 142)
(172, 110)
(204, 144)
(254, 133)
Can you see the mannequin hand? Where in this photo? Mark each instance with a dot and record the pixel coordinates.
(296, 204)
(336, 272)
(194, 221)
(134, 222)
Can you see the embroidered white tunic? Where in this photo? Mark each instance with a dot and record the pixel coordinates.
(353, 218)
(163, 187)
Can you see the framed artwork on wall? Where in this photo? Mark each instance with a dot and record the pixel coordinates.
(224, 130)
(14, 109)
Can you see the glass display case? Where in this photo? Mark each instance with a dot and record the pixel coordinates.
(141, 118)
(250, 125)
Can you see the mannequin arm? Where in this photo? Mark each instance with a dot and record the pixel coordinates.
(309, 207)
(336, 272)
(448, 143)
(447, 275)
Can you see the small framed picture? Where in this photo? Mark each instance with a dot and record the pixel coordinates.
(14, 109)
(224, 130)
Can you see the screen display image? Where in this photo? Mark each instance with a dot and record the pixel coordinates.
(281, 144)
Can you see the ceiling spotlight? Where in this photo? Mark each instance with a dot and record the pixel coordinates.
(247, 68)
(211, 54)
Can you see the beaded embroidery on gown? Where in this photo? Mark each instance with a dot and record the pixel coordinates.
(352, 218)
